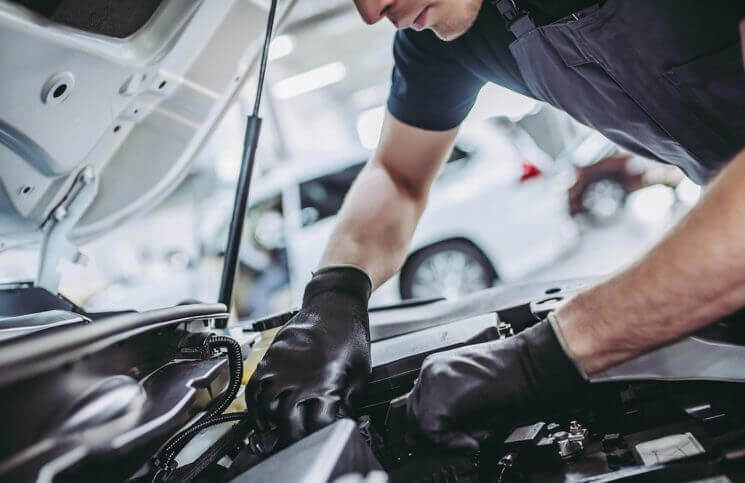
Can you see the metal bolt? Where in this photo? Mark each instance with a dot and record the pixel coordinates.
(60, 212)
(505, 330)
(87, 175)
(565, 447)
(570, 444)
(577, 432)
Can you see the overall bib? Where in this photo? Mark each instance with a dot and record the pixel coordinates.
(662, 78)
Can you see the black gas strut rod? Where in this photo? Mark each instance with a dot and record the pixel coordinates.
(250, 141)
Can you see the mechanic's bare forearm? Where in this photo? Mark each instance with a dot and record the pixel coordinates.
(381, 210)
(694, 276)
(376, 224)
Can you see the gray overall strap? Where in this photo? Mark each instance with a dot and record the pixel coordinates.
(518, 19)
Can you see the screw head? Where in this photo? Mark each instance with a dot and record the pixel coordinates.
(60, 212)
(87, 175)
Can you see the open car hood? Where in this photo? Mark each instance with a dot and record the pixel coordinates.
(96, 128)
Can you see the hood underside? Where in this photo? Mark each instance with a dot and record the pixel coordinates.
(94, 128)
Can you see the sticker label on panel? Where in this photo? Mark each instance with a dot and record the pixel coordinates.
(669, 448)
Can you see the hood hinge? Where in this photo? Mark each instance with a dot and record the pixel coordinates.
(56, 244)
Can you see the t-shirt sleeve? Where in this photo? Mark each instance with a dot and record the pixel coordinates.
(430, 89)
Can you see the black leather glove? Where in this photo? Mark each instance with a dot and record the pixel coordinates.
(318, 361)
(462, 396)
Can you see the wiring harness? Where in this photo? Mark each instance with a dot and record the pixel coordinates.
(164, 462)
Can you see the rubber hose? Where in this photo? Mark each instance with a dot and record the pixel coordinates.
(235, 364)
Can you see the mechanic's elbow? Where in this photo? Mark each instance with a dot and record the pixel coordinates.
(412, 189)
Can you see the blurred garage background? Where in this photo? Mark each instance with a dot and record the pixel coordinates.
(527, 194)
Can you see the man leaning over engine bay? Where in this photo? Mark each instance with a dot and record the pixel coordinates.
(663, 79)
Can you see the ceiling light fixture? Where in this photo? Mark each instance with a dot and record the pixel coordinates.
(310, 80)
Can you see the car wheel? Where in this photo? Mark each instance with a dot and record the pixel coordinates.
(603, 199)
(448, 269)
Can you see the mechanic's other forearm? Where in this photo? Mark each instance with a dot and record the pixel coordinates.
(376, 224)
(694, 276)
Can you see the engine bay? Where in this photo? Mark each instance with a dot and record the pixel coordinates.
(634, 430)
(102, 397)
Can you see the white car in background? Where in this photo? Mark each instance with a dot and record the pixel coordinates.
(492, 216)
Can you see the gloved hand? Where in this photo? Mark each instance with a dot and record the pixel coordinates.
(462, 395)
(318, 361)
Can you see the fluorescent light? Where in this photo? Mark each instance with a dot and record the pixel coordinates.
(310, 80)
(369, 124)
(280, 47)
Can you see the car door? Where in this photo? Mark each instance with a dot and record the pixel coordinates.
(315, 203)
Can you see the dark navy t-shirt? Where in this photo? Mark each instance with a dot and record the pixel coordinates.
(435, 83)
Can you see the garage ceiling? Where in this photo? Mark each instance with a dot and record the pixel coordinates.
(334, 34)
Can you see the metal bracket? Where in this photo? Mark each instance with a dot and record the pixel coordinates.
(56, 244)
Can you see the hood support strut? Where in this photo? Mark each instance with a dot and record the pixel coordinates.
(250, 142)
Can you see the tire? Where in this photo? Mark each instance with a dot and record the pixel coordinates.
(447, 269)
(603, 200)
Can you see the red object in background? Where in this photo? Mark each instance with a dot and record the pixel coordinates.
(529, 171)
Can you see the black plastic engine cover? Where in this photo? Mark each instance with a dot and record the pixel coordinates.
(325, 455)
(94, 402)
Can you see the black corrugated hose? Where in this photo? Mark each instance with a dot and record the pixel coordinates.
(235, 363)
(164, 459)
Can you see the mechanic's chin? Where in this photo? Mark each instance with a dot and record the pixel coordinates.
(447, 35)
(449, 30)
